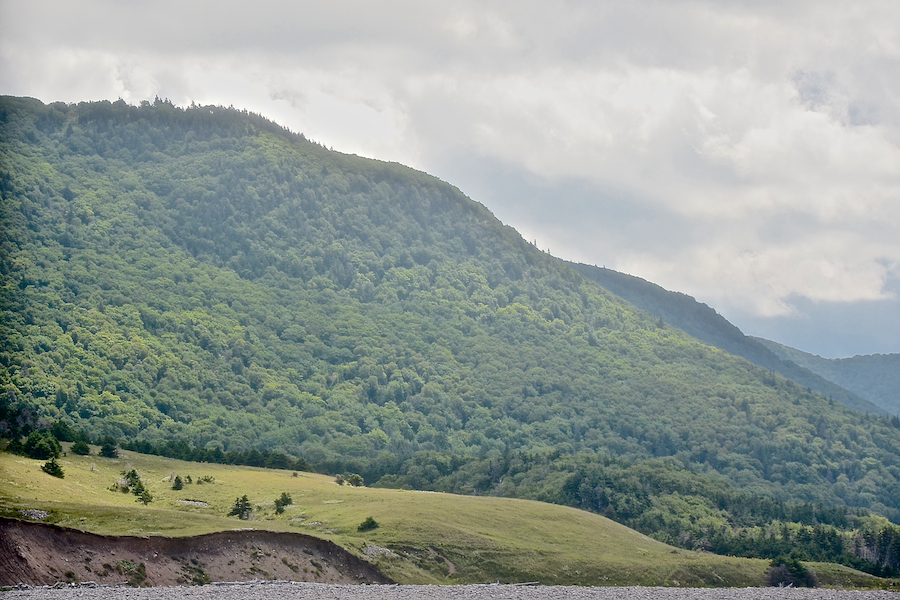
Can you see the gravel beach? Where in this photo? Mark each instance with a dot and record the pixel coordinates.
(283, 590)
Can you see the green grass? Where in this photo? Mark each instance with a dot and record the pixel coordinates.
(435, 538)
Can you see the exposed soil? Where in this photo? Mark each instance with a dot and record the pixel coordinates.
(42, 554)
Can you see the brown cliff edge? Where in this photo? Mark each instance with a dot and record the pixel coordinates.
(43, 554)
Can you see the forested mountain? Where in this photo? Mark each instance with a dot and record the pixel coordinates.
(875, 377)
(702, 322)
(204, 275)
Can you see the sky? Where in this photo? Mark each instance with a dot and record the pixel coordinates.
(745, 153)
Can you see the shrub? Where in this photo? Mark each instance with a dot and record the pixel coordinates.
(241, 508)
(789, 571)
(81, 448)
(41, 445)
(131, 482)
(63, 432)
(108, 447)
(177, 484)
(367, 525)
(51, 467)
(283, 501)
(355, 480)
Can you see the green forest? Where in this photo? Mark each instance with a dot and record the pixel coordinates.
(202, 278)
(874, 376)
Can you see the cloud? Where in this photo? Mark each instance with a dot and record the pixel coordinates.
(747, 153)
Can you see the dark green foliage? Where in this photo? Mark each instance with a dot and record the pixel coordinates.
(367, 525)
(62, 432)
(41, 445)
(201, 275)
(282, 501)
(108, 447)
(51, 467)
(785, 571)
(252, 458)
(241, 508)
(178, 484)
(81, 448)
(354, 479)
(109, 451)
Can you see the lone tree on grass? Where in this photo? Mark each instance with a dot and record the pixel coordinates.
(241, 508)
(51, 467)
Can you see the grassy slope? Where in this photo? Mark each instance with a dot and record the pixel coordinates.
(485, 539)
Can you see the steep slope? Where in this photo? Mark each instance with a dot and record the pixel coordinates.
(702, 322)
(875, 377)
(205, 275)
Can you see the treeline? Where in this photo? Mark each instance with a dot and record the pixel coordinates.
(874, 548)
(252, 458)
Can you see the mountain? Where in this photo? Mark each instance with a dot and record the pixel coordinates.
(875, 377)
(203, 275)
(705, 324)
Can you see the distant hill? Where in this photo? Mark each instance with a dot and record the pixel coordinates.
(702, 322)
(875, 377)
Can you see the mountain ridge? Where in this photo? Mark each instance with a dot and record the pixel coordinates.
(875, 377)
(705, 324)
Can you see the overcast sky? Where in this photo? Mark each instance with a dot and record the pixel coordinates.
(745, 153)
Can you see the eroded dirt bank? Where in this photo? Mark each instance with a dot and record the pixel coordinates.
(42, 554)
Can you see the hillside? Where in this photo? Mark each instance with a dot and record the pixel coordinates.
(875, 377)
(420, 538)
(204, 275)
(703, 323)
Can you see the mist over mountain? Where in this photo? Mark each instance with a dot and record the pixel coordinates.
(206, 276)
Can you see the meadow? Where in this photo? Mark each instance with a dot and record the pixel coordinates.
(422, 537)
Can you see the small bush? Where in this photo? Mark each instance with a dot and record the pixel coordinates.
(355, 480)
(177, 484)
(51, 467)
(368, 524)
(789, 571)
(283, 501)
(339, 479)
(81, 448)
(131, 482)
(241, 508)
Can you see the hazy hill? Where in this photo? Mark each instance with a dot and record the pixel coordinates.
(202, 274)
(875, 377)
(708, 326)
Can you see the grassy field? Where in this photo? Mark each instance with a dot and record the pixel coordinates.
(432, 537)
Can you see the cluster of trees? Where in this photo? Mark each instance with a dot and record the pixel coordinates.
(252, 458)
(202, 275)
